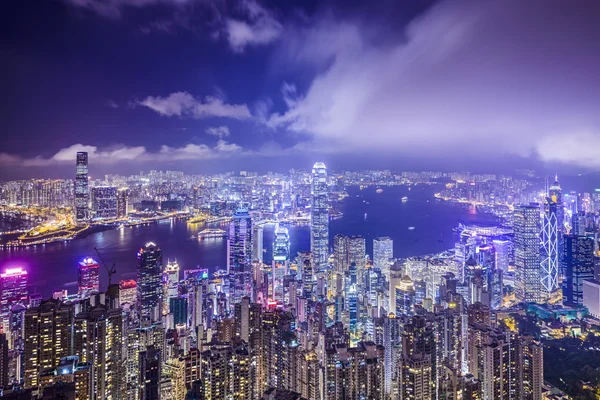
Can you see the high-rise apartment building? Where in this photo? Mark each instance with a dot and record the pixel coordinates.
(48, 337)
(98, 340)
(319, 217)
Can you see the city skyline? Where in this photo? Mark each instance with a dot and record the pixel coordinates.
(300, 200)
(165, 82)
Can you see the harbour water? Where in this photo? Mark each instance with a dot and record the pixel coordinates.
(366, 213)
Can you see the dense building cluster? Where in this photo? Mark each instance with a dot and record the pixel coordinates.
(331, 323)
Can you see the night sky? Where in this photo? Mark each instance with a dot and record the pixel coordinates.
(211, 86)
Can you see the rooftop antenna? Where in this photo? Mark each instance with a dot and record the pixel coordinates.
(111, 271)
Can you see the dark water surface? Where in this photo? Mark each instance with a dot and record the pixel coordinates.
(366, 213)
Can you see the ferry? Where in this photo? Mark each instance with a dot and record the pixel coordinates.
(212, 234)
(380, 190)
(404, 199)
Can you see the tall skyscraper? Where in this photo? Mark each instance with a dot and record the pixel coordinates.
(319, 218)
(549, 250)
(82, 191)
(340, 253)
(13, 291)
(527, 229)
(240, 255)
(257, 243)
(502, 254)
(88, 277)
(383, 252)
(578, 266)
(149, 283)
(555, 194)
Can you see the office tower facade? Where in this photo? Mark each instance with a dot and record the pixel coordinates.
(395, 277)
(549, 249)
(82, 190)
(149, 283)
(405, 296)
(122, 202)
(357, 254)
(258, 242)
(150, 373)
(280, 265)
(13, 291)
(340, 253)
(104, 202)
(48, 338)
(170, 281)
(383, 252)
(98, 340)
(88, 277)
(240, 254)
(319, 217)
(527, 253)
(502, 248)
(578, 266)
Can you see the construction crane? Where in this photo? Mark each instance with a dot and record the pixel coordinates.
(111, 271)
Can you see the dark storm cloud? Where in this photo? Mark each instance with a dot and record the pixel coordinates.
(507, 77)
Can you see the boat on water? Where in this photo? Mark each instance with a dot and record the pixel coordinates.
(365, 216)
(212, 234)
(411, 228)
(404, 199)
(380, 190)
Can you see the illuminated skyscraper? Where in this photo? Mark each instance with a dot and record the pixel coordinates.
(319, 218)
(555, 194)
(527, 229)
(383, 252)
(340, 253)
(88, 277)
(13, 291)
(502, 254)
(149, 283)
(549, 250)
(82, 191)
(170, 284)
(104, 202)
(578, 266)
(257, 243)
(281, 257)
(240, 254)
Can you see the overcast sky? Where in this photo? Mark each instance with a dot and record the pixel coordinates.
(210, 85)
